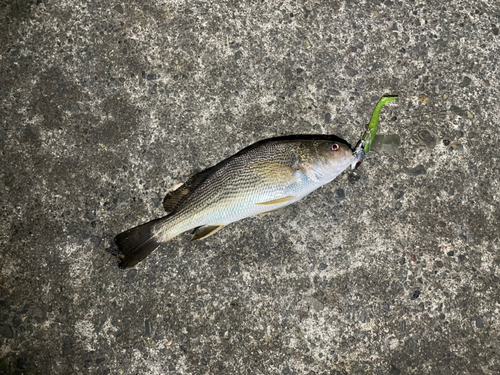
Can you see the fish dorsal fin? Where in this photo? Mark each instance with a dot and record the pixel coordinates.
(279, 200)
(206, 231)
(174, 198)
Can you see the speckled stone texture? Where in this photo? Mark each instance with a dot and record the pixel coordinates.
(392, 269)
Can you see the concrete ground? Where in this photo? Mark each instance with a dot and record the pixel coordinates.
(392, 269)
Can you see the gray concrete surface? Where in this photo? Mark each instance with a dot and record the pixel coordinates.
(105, 106)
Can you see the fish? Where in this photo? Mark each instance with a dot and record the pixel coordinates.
(263, 177)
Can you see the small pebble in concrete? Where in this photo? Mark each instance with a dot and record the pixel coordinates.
(424, 99)
(118, 8)
(148, 327)
(393, 370)
(427, 138)
(350, 71)
(95, 240)
(339, 194)
(403, 326)
(457, 147)
(416, 171)
(21, 363)
(6, 331)
(465, 82)
(458, 111)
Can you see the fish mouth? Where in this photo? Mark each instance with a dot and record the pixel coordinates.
(358, 155)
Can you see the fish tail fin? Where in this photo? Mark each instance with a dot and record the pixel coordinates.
(137, 243)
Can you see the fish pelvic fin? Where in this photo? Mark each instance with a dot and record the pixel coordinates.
(206, 231)
(277, 201)
(136, 244)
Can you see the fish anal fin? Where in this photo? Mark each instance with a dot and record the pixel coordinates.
(277, 201)
(206, 231)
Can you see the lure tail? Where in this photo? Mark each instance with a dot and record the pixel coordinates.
(364, 145)
(137, 243)
(373, 125)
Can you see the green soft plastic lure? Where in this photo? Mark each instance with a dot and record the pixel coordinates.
(363, 147)
(373, 125)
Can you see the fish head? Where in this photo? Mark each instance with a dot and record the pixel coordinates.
(333, 157)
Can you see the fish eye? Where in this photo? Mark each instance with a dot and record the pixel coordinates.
(334, 147)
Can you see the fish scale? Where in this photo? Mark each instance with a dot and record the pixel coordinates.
(263, 177)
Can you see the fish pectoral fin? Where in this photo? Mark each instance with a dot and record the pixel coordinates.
(206, 231)
(272, 171)
(308, 170)
(277, 201)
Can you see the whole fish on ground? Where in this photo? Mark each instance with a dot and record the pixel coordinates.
(263, 177)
